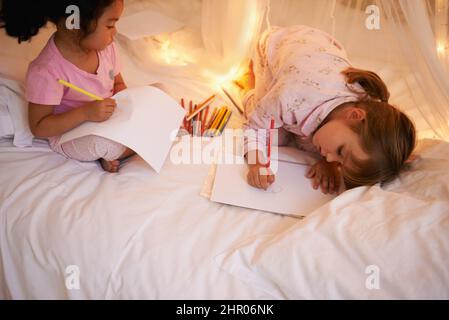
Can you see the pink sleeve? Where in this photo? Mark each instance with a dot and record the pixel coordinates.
(42, 86)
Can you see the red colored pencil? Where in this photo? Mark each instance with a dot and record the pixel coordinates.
(200, 123)
(214, 114)
(269, 142)
(190, 122)
(184, 122)
(206, 112)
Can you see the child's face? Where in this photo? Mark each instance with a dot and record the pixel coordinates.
(105, 32)
(336, 140)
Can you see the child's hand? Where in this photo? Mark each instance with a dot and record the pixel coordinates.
(99, 111)
(260, 176)
(327, 175)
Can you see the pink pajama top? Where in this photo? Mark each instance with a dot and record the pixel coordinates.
(42, 85)
(298, 82)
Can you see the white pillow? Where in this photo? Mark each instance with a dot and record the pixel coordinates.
(12, 95)
(6, 127)
(368, 243)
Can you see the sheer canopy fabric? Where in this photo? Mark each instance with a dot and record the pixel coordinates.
(409, 47)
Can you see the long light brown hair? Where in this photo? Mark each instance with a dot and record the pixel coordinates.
(387, 135)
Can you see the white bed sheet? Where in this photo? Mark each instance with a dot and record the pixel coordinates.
(132, 235)
(136, 234)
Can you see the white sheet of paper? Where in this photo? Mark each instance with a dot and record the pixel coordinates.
(291, 194)
(145, 24)
(146, 120)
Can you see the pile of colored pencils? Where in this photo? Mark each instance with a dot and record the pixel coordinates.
(197, 122)
(218, 122)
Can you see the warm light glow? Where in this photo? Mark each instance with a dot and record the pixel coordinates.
(251, 26)
(235, 60)
(440, 48)
(165, 50)
(222, 80)
(427, 134)
(172, 56)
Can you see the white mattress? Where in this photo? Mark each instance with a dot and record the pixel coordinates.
(134, 234)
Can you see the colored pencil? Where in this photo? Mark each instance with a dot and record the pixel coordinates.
(209, 123)
(218, 118)
(232, 100)
(184, 122)
(205, 113)
(224, 122)
(203, 121)
(269, 142)
(200, 107)
(238, 85)
(86, 93)
(216, 129)
(196, 123)
(188, 121)
(200, 116)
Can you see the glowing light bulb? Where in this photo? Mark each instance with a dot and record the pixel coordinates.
(440, 48)
(172, 56)
(165, 49)
(225, 79)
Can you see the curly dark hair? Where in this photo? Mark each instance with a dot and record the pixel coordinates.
(23, 19)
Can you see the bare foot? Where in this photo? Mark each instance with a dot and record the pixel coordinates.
(126, 154)
(246, 81)
(110, 166)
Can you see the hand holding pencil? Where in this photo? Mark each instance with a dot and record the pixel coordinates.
(260, 174)
(99, 110)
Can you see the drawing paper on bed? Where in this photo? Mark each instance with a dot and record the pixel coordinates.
(291, 194)
(144, 120)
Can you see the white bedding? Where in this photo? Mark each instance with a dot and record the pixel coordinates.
(137, 234)
(134, 234)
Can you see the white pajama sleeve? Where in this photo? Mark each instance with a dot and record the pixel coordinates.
(260, 118)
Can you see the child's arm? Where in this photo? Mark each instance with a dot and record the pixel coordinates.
(263, 111)
(44, 124)
(119, 83)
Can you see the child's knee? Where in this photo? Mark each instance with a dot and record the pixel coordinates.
(107, 149)
(92, 147)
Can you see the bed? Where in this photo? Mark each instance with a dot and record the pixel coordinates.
(132, 235)
(139, 235)
(69, 230)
